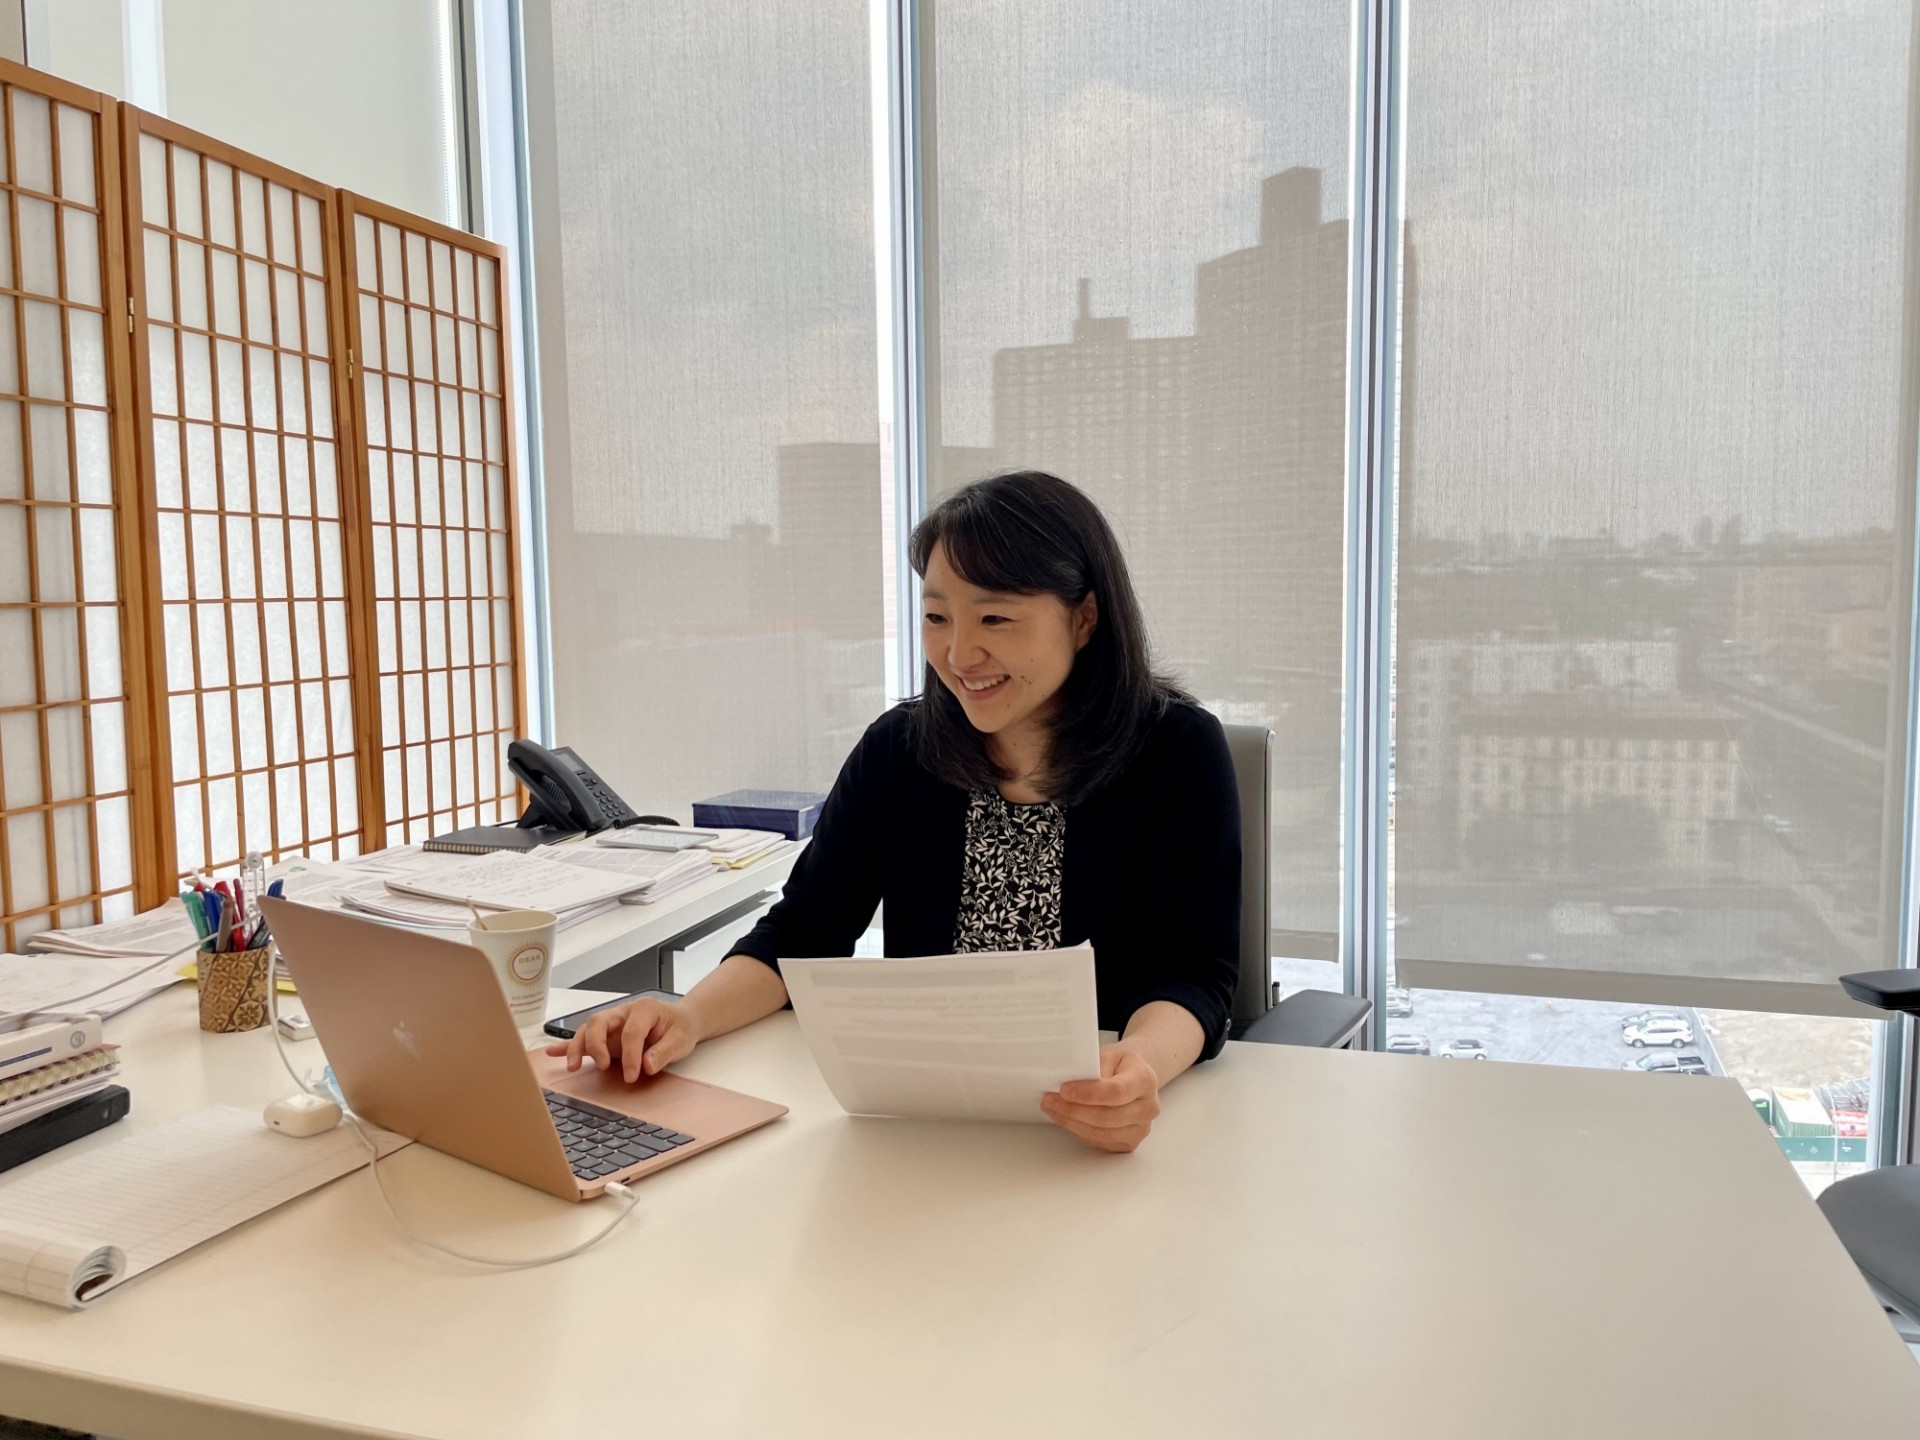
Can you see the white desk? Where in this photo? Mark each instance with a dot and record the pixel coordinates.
(1311, 1243)
(628, 930)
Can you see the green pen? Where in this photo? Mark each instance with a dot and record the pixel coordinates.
(195, 912)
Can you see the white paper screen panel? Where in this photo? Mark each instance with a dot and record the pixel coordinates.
(259, 717)
(65, 799)
(431, 402)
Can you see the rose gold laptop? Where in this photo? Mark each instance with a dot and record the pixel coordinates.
(419, 1036)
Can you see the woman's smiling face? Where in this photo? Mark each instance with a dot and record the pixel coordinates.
(1005, 657)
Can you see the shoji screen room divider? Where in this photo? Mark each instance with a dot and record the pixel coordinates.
(236, 268)
(77, 797)
(255, 592)
(426, 316)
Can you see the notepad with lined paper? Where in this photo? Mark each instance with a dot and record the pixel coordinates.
(74, 1229)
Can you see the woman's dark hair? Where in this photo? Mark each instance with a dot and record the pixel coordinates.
(1029, 533)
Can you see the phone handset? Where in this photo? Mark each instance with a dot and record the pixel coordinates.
(565, 791)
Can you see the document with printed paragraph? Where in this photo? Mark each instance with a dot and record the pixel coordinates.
(950, 1037)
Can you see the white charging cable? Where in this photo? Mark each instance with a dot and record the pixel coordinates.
(629, 1201)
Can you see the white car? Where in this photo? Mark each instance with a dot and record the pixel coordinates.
(1660, 1031)
(1462, 1050)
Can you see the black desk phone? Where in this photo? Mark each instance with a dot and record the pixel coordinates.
(567, 795)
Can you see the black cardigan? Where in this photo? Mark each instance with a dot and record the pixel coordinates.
(1151, 874)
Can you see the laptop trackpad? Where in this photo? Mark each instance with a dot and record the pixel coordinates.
(692, 1107)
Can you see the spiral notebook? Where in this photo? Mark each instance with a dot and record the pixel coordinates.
(73, 1230)
(34, 1092)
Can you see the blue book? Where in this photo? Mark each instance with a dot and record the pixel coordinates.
(791, 812)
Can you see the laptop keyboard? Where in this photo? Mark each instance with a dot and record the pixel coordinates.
(601, 1141)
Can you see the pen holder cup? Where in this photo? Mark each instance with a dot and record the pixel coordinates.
(233, 989)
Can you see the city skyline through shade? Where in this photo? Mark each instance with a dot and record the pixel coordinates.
(1615, 381)
(1649, 691)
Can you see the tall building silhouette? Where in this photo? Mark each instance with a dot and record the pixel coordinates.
(1112, 414)
(1221, 459)
(1268, 514)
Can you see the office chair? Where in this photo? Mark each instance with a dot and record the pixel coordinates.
(1877, 1215)
(1319, 1018)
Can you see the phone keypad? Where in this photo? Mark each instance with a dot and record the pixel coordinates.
(610, 806)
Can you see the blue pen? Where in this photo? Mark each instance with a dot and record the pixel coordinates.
(210, 912)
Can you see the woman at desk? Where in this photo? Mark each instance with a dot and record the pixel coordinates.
(1045, 788)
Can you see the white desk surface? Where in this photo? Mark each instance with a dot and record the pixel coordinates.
(1311, 1243)
(594, 945)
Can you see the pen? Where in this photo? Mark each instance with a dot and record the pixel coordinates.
(196, 912)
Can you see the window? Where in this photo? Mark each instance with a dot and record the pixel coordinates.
(1166, 190)
(1648, 398)
(713, 463)
(1670, 443)
(1696, 446)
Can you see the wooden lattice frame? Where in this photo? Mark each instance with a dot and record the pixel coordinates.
(187, 481)
(258, 638)
(75, 496)
(433, 417)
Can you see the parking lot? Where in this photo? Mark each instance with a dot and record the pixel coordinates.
(1517, 1027)
(1542, 1032)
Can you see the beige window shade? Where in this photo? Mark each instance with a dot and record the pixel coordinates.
(232, 298)
(713, 465)
(429, 339)
(1141, 284)
(73, 827)
(1650, 708)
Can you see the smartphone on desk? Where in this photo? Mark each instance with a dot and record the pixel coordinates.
(564, 1027)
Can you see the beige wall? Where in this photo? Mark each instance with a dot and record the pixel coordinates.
(13, 30)
(83, 42)
(351, 92)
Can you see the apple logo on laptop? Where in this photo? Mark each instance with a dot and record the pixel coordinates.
(403, 1037)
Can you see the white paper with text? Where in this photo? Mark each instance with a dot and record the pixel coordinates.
(953, 1037)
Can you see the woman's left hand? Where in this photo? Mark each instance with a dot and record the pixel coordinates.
(1111, 1113)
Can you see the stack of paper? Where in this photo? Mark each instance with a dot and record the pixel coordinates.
(736, 849)
(166, 930)
(656, 873)
(371, 897)
(50, 985)
(506, 880)
(374, 899)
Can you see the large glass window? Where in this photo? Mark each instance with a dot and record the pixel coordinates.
(1650, 704)
(1649, 708)
(1652, 604)
(713, 472)
(1141, 285)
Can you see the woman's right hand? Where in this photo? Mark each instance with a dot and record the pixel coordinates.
(642, 1037)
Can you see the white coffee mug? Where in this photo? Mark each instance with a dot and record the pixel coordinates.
(520, 945)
